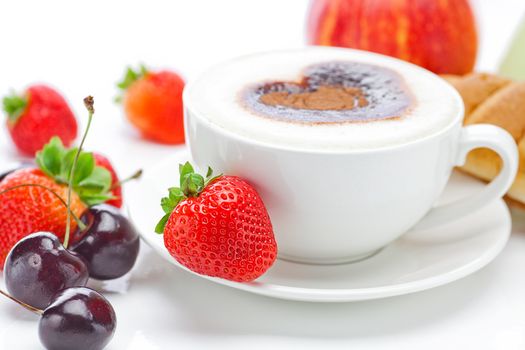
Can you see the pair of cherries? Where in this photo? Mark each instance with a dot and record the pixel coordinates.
(51, 279)
(38, 265)
(48, 279)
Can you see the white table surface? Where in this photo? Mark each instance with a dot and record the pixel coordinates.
(82, 49)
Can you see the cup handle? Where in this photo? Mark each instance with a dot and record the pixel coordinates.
(477, 136)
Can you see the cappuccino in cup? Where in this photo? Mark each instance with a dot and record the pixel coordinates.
(324, 99)
(348, 149)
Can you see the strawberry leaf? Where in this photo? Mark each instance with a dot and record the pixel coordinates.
(67, 164)
(99, 181)
(192, 185)
(14, 106)
(169, 203)
(50, 158)
(130, 76)
(175, 193)
(85, 167)
(162, 224)
(91, 183)
(184, 170)
(210, 178)
(91, 200)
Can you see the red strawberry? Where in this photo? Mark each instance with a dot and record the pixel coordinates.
(153, 104)
(38, 115)
(27, 210)
(218, 227)
(102, 161)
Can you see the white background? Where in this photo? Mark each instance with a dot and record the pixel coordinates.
(82, 48)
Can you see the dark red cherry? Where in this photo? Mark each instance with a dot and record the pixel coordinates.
(38, 266)
(110, 243)
(78, 318)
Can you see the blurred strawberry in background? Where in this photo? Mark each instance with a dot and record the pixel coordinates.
(153, 104)
(37, 115)
(439, 35)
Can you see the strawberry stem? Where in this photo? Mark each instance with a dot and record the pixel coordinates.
(79, 222)
(89, 103)
(135, 176)
(28, 307)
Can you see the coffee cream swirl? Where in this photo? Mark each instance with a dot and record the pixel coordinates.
(323, 99)
(331, 92)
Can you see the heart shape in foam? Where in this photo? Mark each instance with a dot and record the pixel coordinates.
(324, 98)
(332, 92)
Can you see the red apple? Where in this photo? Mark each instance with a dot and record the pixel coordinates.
(439, 35)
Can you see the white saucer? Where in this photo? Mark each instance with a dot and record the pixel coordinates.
(418, 261)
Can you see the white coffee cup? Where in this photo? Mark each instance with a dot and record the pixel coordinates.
(332, 206)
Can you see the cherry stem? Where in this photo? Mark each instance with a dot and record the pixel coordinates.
(79, 222)
(88, 102)
(135, 176)
(28, 307)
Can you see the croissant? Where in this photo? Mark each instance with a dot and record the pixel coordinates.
(496, 100)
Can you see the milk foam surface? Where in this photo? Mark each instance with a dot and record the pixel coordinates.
(215, 97)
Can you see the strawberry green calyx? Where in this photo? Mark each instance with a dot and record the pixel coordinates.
(90, 182)
(191, 185)
(130, 77)
(14, 106)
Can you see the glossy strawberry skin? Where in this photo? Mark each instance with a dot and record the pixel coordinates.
(31, 209)
(47, 114)
(224, 232)
(117, 192)
(153, 104)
